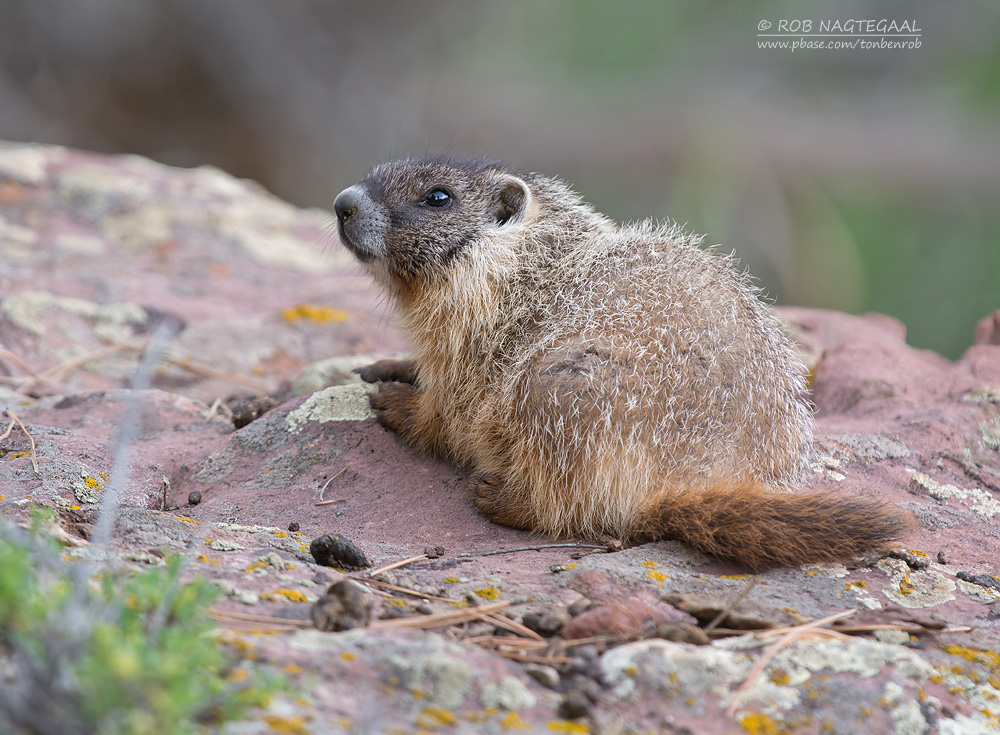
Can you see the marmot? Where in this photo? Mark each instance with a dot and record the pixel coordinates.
(598, 380)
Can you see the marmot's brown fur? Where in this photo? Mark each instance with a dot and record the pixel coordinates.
(599, 380)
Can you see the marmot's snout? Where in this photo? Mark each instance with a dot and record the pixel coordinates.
(360, 223)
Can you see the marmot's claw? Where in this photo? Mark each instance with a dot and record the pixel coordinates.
(401, 371)
(393, 404)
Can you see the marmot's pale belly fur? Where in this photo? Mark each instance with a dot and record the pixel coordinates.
(599, 380)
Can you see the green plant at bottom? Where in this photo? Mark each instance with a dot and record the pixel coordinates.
(124, 654)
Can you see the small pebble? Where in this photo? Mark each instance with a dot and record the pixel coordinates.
(333, 550)
(580, 606)
(250, 409)
(387, 577)
(345, 606)
(293, 526)
(942, 557)
(575, 705)
(478, 630)
(434, 552)
(425, 609)
(546, 622)
(552, 621)
(322, 578)
(194, 497)
(545, 675)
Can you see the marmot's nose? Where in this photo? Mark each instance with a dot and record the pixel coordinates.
(346, 203)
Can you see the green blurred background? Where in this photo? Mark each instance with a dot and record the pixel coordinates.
(851, 179)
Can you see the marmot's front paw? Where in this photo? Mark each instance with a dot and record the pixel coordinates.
(401, 371)
(394, 405)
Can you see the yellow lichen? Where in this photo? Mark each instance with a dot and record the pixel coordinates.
(292, 669)
(990, 658)
(653, 572)
(735, 576)
(18, 455)
(434, 717)
(281, 534)
(451, 580)
(313, 313)
(290, 595)
(859, 583)
(759, 724)
(513, 721)
(287, 725)
(780, 677)
(396, 602)
(188, 520)
(905, 585)
(348, 656)
(488, 593)
(570, 726)
(91, 482)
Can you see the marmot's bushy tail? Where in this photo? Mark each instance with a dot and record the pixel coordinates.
(759, 528)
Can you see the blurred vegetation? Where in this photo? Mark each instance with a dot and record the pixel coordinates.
(130, 654)
(851, 179)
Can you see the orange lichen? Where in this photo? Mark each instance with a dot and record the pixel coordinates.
(760, 724)
(290, 595)
(433, 717)
(513, 721)
(313, 313)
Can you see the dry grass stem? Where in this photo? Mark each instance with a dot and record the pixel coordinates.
(537, 547)
(404, 590)
(205, 371)
(500, 621)
(788, 636)
(439, 620)
(327, 484)
(730, 607)
(31, 439)
(397, 564)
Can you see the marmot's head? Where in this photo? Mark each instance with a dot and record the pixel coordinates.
(411, 222)
(408, 220)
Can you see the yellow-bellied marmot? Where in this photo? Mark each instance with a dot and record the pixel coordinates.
(600, 380)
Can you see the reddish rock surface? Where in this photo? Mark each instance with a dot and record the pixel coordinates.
(96, 251)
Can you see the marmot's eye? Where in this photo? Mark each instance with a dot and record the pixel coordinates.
(437, 198)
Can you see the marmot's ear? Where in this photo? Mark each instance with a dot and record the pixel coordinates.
(512, 199)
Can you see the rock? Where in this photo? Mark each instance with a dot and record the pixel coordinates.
(251, 409)
(547, 676)
(546, 622)
(345, 606)
(333, 550)
(626, 618)
(96, 251)
(746, 615)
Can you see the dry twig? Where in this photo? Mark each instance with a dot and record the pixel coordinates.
(397, 564)
(438, 620)
(327, 484)
(730, 607)
(538, 547)
(31, 439)
(788, 635)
